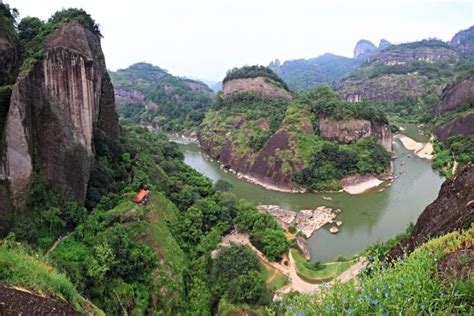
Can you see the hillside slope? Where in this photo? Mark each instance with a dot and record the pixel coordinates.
(150, 95)
(263, 135)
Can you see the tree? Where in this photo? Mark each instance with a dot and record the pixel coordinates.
(273, 243)
(247, 288)
(230, 263)
(223, 185)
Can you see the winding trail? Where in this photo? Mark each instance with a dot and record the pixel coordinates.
(296, 283)
(56, 243)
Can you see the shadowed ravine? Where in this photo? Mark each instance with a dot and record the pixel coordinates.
(366, 218)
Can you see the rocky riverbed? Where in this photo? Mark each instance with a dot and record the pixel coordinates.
(306, 221)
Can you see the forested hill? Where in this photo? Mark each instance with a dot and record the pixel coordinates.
(302, 74)
(149, 94)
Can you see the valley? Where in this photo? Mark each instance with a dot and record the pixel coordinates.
(322, 186)
(367, 218)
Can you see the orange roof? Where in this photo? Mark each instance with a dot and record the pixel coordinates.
(141, 195)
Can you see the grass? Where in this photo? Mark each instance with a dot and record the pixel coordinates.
(32, 272)
(273, 278)
(327, 273)
(410, 286)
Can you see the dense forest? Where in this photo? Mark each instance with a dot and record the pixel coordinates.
(167, 102)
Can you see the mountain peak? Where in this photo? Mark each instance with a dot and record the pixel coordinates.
(363, 49)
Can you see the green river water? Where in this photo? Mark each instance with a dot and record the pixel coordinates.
(366, 218)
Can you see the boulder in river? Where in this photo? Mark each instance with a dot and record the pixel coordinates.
(307, 221)
(283, 216)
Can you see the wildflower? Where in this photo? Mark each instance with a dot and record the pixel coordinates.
(399, 283)
(374, 302)
(421, 306)
(377, 290)
(289, 308)
(344, 301)
(299, 314)
(359, 298)
(386, 294)
(385, 286)
(387, 314)
(350, 310)
(442, 293)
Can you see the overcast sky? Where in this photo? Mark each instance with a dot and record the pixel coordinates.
(205, 38)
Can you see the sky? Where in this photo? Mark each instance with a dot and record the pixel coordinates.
(203, 39)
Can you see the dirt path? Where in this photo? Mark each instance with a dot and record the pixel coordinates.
(56, 243)
(296, 283)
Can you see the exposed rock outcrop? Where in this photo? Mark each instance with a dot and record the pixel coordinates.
(260, 169)
(308, 221)
(363, 49)
(454, 95)
(403, 55)
(347, 131)
(54, 112)
(283, 216)
(462, 126)
(259, 85)
(453, 209)
(384, 44)
(463, 41)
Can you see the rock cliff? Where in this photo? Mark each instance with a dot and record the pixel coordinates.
(453, 209)
(55, 110)
(347, 131)
(462, 126)
(453, 96)
(398, 72)
(463, 41)
(363, 49)
(258, 85)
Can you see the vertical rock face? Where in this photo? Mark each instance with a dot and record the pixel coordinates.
(453, 209)
(347, 131)
(54, 111)
(364, 49)
(463, 41)
(455, 95)
(460, 126)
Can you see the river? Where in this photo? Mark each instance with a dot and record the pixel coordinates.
(367, 218)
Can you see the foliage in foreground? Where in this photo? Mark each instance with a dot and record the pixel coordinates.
(410, 286)
(19, 268)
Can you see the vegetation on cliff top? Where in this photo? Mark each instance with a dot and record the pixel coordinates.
(33, 32)
(246, 121)
(254, 72)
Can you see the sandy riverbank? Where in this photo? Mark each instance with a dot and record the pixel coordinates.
(360, 184)
(268, 186)
(422, 150)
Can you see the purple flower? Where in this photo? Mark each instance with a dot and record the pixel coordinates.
(373, 302)
(350, 310)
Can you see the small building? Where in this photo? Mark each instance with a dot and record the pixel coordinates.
(141, 196)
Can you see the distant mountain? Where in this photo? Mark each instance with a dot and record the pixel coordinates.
(214, 85)
(150, 95)
(363, 49)
(403, 73)
(463, 41)
(301, 74)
